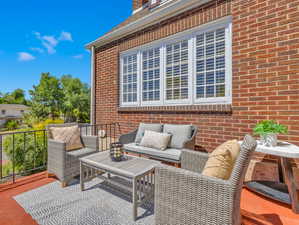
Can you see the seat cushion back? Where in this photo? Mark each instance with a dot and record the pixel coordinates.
(69, 135)
(222, 160)
(180, 134)
(147, 126)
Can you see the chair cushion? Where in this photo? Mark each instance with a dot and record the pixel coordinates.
(169, 153)
(180, 134)
(69, 135)
(155, 140)
(222, 160)
(82, 152)
(147, 126)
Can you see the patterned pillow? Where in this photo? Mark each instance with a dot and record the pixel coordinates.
(222, 160)
(69, 135)
(152, 139)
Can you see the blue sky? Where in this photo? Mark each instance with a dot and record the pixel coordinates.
(49, 36)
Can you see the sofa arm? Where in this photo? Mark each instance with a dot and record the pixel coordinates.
(190, 144)
(186, 197)
(90, 141)
(128, 138)
(56, 157)
(193, 161)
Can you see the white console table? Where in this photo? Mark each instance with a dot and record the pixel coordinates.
(285, 191)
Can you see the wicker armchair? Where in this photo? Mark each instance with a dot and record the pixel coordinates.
(184, 196)
(63, 164)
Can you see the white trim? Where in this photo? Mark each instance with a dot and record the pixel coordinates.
(158, 15)
(92, 81)
(190, 36)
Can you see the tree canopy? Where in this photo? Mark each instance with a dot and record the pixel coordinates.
(15, 97)
(67, 97)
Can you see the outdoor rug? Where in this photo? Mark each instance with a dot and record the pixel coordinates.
(100, 203)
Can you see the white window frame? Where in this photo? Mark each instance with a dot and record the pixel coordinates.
(152, 103)
(190, 35)
(121, 79)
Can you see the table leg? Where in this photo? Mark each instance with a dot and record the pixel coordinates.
(134, 199)
(289, 180)
(81, 176)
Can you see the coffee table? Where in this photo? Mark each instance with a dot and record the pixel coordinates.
(139, 171)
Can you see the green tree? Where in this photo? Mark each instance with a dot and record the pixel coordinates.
(15, 97)
(76, 99)
(47, 97)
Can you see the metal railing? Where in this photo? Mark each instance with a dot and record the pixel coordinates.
(107, 133)
(24, 153)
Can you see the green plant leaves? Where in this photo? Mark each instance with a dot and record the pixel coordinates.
(269, 127)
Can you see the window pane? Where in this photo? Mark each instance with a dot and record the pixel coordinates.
(210, 64)
(151, 75)
(129, 79)
(177, 71)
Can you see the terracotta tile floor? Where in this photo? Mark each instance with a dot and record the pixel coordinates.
(256, 210)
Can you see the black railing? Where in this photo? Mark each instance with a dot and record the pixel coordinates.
(24, 153)
(107, 133)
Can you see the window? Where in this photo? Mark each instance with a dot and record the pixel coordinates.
(151, 75)
(189, 68)
(177, 71)
(129, 82)
(210, 64)
(22, 111)
(3, 111)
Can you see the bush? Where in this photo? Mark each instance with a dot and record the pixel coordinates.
(43, 124)
(11, 124)
(29, 154)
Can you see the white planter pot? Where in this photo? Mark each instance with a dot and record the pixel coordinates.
(269, 140)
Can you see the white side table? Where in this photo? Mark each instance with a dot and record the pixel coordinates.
(285, 191)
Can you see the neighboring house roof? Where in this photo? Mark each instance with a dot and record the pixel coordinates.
(145, 18)
(9, 106)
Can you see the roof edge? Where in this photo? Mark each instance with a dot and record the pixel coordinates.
(156, 16)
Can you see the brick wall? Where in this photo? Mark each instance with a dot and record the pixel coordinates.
(265, 75)
(138, 3)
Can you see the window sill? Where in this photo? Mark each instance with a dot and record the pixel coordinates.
(215, 108)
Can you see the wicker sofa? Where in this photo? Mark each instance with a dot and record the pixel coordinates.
(171, 154)
(184, 196)
(65, 164)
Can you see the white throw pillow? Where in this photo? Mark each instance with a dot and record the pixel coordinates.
(152, 139)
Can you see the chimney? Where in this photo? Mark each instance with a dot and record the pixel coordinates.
(137, 4)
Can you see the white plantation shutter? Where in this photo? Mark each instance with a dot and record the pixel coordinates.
(151, 75)
(177, 71)
(129, 79)
(192, 68)
(210, 64)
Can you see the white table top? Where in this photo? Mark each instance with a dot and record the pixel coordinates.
(283, 149)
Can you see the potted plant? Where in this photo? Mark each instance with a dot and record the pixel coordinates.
(268, 130)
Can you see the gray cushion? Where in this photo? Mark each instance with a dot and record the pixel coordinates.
(180, 134)
(147, 126)
(169, 153)
(82, 152)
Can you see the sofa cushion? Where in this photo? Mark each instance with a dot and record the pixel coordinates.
(70, 135)
(155, 140)
(222, 160)
(147, 126)
(82, 152)
(180, 134)
(169, 153)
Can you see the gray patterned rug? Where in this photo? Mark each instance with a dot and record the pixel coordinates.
(100, 204)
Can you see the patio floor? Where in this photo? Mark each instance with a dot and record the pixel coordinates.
(255, 209)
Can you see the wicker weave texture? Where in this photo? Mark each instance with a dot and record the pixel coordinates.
(187, 197)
